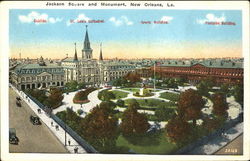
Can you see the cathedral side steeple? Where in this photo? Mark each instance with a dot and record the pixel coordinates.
(100, 57)
(87, 51)
(75, 56)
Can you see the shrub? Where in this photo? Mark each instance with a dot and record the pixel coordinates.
(79, 111)
(120, 103)
(106, 95)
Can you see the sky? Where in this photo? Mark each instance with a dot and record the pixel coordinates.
(187, 33)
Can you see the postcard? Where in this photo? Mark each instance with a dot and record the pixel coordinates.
(124, 80)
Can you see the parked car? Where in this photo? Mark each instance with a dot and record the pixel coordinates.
(35, 120)
(13, 139)
(18, 98)
(18, 103)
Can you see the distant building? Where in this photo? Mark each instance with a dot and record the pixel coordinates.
(222, 71)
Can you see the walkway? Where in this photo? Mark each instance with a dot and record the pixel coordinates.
(155, 96)
(60, 134)
(218, 142)
(68, 102)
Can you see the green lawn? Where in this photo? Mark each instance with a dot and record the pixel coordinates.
(170, 96)
(149, 116)
(153, 143)
(149, 103)
(132, 89)
(119, 94)
(152, 90)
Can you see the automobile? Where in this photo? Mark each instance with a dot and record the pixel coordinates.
(18, 103)
(18, 98)
(13, 139)
(35, 120)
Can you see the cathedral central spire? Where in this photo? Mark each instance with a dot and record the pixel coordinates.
(86, 51)
(86, 40)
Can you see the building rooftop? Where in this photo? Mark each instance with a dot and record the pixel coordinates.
(207, 63)
(23, 68)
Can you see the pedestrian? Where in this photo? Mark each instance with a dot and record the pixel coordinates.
(51, 123)
(69, 142)
(57, 127)
(76, 149)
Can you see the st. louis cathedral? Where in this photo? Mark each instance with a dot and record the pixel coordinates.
(92, 71)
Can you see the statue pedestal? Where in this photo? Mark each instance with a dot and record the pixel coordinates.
(141, 92)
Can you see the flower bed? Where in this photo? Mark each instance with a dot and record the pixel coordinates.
(81, 97)
(80, 102)
(146, 95)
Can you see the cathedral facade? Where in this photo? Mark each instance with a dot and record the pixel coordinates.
(92, 71)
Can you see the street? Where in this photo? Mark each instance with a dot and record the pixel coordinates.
(32, 138)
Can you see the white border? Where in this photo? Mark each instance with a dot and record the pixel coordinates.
(4, 43)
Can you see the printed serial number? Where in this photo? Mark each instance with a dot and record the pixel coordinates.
(231, 150)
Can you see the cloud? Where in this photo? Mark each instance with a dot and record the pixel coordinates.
(166, 18)
(123, 20)
(37, 16)
(54, 20)
(80, 17)
(211, 18)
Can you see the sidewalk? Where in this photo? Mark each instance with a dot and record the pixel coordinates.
(60, 134)
(219, 142)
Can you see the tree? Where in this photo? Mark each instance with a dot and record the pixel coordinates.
(117, 82)
(211, 124)
(108, 105)
(238, 92)
(220, 105)
(163, 112)
(180, 81)
(133, 123)
(133, 103)
(132, 77)
(172, 83)
(100, 128)
(190, 105)
(81, 85)
(210, 82)
(224, 88)
(72, 85)
(203, 88)
(120, 103)
(106, 95)
(158, 84)
(55, 98)
(178, 130)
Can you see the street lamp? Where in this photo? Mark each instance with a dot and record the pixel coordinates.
(65, 134)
